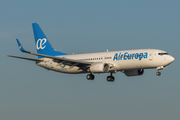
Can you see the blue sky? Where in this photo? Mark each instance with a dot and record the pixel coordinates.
(29, 92)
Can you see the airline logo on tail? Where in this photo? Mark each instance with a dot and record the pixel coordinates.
(40, 44)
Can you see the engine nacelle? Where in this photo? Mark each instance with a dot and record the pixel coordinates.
(133, 72)
(99, 68)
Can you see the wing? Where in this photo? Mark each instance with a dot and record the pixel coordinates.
(31, 59)
(66, 61)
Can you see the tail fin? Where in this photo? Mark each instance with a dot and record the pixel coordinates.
(42, 44)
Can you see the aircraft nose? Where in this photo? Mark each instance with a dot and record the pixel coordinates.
(171, 59)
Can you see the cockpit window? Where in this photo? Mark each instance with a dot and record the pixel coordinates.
(162, 53)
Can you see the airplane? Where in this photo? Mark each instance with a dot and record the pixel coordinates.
(130, 62)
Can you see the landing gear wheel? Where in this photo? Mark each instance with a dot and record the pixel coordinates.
(158, 73)
(110, 78)
(90, 77)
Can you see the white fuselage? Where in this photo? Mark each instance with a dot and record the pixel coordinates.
(118, 60)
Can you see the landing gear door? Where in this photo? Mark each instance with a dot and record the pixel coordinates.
(151, 55)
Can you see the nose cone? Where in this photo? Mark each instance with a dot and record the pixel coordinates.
(170, 59)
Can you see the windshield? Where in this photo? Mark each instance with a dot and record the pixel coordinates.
(162, 53)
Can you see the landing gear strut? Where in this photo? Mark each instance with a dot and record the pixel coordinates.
(90, 76)
(110, 78)
(160, 68)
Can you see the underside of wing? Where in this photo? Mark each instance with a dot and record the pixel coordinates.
(66, 61)
(31, 59)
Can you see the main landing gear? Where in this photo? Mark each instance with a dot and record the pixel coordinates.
(110, 78)
(90, 76)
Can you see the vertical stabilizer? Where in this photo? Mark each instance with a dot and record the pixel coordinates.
(42, 44)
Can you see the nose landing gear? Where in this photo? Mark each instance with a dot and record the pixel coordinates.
(160, 68)
(158, 73)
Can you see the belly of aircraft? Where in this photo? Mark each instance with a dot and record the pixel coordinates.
(132, 64)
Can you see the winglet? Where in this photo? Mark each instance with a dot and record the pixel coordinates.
(20, 46)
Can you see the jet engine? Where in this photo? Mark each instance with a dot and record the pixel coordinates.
(99, 68)
(133, 72)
